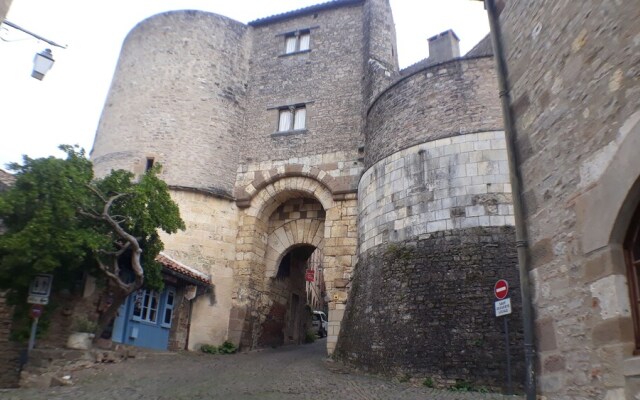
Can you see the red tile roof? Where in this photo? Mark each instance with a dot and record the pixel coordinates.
(182, 269)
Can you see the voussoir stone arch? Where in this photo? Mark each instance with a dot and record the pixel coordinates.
(245, 194)
(290, 235)
(604, 210)
(272, 195)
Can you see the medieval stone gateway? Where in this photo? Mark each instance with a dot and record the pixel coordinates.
(297, 134)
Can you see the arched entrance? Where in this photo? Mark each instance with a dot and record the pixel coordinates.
(283, 215)
(289, 317)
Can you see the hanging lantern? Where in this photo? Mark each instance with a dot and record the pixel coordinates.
(42, 63)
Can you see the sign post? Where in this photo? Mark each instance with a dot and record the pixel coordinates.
(503, 309)
(39, 292)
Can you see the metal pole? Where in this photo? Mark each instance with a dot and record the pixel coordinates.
(51, 42)
(515, 179)
(506, 339)
(32, 337)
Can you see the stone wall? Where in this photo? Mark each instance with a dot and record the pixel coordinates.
(180, 84)
(208, 244)
(327, 78)
(9, 350)
(4, 8)
(424, 307)
(449, 99)
(445, 184)
(577, 124)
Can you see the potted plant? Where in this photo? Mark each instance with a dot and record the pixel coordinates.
(82, 335)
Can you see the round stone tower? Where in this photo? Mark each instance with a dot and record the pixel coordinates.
(435, 228)
(176, 98)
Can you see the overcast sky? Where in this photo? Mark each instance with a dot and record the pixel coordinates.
(64, 108)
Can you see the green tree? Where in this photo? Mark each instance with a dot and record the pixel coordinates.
(60, 220)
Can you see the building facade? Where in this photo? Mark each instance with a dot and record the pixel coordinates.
(298, 132)
(574, 77)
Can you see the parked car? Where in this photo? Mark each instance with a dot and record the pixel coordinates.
(320, 324)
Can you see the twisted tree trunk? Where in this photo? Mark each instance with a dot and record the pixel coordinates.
(125, 242)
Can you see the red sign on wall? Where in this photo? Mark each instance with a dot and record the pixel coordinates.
(501, 289)
(310, 275)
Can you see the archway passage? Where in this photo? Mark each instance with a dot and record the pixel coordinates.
(289, 317)
(295, 231)
(632, 253)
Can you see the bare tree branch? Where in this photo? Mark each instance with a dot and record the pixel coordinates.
(114, 278)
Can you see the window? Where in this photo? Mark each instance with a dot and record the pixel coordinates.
(149, 165)
(292, 118)
(297, 42)
(632, 250)
(145, 306)
(168, 309)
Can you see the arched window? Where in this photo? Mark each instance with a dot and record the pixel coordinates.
(632, 253)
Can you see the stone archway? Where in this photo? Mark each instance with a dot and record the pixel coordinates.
(261, 245)
(290, 235)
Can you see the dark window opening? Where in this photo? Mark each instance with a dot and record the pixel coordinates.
(149, 164)
(632, 255)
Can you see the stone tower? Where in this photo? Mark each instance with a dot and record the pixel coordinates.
(298, 133)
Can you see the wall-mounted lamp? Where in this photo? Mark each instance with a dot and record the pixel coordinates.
(43, 61)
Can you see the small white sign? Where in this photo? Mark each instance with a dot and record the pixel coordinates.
(503, 307)
(40, 289)
(35, 299)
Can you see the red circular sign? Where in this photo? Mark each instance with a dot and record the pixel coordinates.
(501, 289)
(36, 310)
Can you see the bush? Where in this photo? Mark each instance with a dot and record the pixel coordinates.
(310, 337)
(227, 348)
(428, 382)
(82, 324)
(462, 386)
(209, 349)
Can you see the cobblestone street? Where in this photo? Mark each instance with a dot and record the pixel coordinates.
(294, 372)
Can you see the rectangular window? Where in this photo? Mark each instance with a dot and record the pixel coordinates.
(292, 119)
(145, 306)
(297, 42)
(168, 309)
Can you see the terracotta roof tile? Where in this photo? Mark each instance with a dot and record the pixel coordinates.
(182, 269)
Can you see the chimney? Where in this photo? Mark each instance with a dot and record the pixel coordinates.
(443, 47)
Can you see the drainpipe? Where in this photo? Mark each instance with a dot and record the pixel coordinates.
(514, 172)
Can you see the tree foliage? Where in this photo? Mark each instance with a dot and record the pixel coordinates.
(59, 219)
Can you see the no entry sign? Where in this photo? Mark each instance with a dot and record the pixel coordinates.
(501, 289)
(35, 311)
(310, 275)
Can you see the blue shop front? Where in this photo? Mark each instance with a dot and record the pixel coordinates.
(158, 319)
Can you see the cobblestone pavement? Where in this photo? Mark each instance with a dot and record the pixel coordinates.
(292, 372)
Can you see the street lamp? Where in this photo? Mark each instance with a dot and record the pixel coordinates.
(43, 61)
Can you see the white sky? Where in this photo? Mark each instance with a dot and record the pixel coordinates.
(64, 108)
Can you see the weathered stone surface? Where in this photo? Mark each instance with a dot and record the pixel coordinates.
(573, 71)
(425, 307)
(450, 99)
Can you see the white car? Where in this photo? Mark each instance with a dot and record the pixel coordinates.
(320, 323)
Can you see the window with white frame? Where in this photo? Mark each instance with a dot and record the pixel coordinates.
(145, 305)
(292, 118)
(168, 308)
(297, 42)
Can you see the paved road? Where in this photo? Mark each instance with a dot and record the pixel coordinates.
(292, 372)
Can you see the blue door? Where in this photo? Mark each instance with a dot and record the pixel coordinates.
(144, 320)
